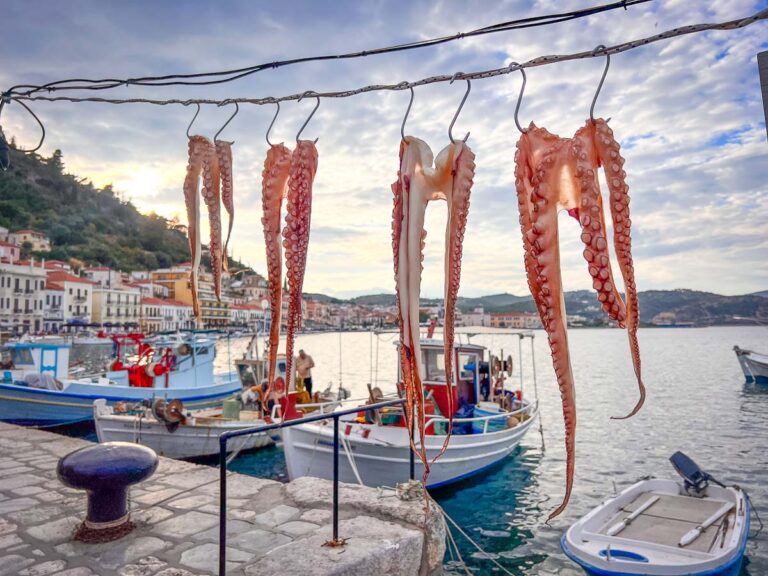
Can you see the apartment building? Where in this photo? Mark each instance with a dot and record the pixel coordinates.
(77, 296)
(117, 306)
(22, 289)
(160, 315)
(524, 320)
(248, 316)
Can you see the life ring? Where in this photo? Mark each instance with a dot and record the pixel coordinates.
(149, 369)
(279, 385)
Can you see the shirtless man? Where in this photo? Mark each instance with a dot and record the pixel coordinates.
(304, 367)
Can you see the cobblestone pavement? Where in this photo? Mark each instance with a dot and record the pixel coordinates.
(272, 528)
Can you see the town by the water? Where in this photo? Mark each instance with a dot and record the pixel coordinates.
(332, 289)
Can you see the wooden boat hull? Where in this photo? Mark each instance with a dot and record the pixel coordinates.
(186, 441)
(382, 458)
(714, 553)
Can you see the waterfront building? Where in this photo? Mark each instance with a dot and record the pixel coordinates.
(53, 310)
(478, 317)
(117, 306)
(161, 315)
(524, 320)
(9, 252)
(39, 241)
(249, 316)
(22, 288)
(72, 294)
(254, 288)
(103, 276)
(214, 314)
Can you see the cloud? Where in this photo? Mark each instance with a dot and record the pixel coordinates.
(687, 112)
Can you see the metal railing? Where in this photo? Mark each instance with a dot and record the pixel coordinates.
(226, 436)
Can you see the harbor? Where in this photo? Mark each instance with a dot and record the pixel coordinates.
(331, 289)
(504, 509)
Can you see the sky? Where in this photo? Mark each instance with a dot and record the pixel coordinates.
(687, 112)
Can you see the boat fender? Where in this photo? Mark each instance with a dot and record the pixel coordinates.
(512, 422)
(366, 432)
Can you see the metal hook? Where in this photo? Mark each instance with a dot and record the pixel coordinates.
(193, 119)
(461, 105)
(407, 110)
(5, 99)
(311, 114)
(237, 109)
(513, 66)
(273, 123)
(599, 86)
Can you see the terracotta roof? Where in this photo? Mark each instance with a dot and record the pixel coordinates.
(245, 307)
(64, 276)
(99, 269)
(9, 244)
(154, 301)
(53, 286)
(28, 231)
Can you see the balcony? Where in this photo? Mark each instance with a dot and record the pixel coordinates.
(79, 299)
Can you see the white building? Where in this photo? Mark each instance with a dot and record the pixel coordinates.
(22, 289)
(53, 311)
(160, 315)
(478, 317)
(77, 296)
(116, 307)
(103, 276)
(248, 316)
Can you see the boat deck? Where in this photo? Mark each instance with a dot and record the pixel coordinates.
(665, 521)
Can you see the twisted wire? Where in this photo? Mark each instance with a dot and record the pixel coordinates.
(194, 79)
(538, 61)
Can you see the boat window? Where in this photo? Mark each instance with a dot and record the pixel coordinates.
(22, 357)
(434, 365)
(202, 351)
(467, 366)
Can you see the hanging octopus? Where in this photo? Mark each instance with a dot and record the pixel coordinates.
(553, 174)
(224, 156)
(198, 146)
(296, 237)
(417, 184)
(212, 196)
(274, 190)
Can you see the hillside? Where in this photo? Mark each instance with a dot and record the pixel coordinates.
(85, 223)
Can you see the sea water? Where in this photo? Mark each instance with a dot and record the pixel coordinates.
(697, 402)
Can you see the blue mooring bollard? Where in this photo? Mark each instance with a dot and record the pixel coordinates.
(105, 471)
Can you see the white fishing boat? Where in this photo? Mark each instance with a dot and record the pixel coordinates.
(375, 446)
(664, 527)
(37, 389)
(754, 365)
(170, 431)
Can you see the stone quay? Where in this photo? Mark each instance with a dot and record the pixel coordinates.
(272, 528)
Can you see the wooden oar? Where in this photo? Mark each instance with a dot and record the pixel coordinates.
(694, 533)
(619, 526)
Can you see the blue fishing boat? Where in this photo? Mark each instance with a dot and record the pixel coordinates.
(664, 528)
(36, 388)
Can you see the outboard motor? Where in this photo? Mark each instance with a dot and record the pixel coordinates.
(696, 480)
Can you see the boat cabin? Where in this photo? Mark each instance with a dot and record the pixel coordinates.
(22, 358)
(468, 360)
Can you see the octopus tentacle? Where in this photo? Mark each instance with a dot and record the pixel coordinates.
(592, 219)
(196, 148)
(224, 155)
(212, 197)
(274, 180)
(545, 250)
(463, 171)
(609, 155)
(296, 237)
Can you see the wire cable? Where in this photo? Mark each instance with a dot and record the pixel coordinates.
(224, 76)
(538, 61)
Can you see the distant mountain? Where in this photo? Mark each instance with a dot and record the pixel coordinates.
(325, 299)
(701, 308)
